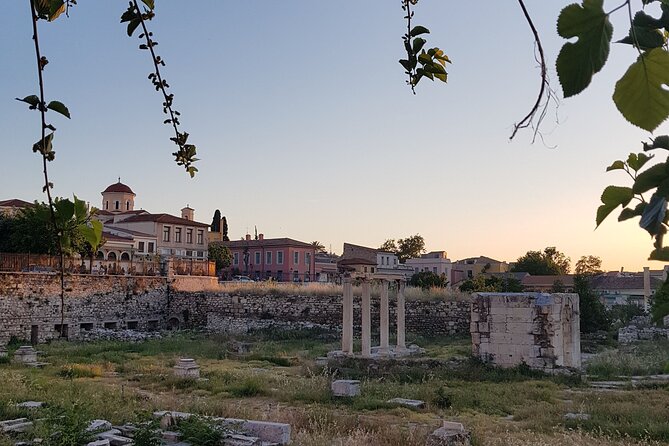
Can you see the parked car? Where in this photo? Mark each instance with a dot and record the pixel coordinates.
(38, 269)
(242, 279)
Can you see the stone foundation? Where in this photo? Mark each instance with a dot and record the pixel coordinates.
(540, 330)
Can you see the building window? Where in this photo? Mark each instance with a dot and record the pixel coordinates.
(107, 205)
(200, 253)
(296, 276)
(268, 258)
(470, 274)
(127, 205)
(279, 257)
(140, 247)
(257, 257)
(434, 269)
(200, 237)
(177, 235)
(166, 233)
(279, 276)
(235, 258)
(268, 275)
(117, 205)
(395, 261)
(150, 247)
(296, 257)
(189, 236)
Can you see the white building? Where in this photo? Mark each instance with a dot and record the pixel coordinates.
(435, 262)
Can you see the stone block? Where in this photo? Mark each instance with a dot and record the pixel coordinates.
(450, 434)
(25, 354)
(30, 404)
(17, 425)
(187, 368)
(242, 440)
(346, 387)
(415, 404)
(267, 431)
(100, 426)
(99, 443)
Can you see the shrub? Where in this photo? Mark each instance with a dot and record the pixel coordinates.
(442, 399)
(72, 371)
(251, 386)
(200, 432)
(66, 427)
(147, 434)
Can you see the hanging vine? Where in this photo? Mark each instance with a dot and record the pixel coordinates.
(135, 17)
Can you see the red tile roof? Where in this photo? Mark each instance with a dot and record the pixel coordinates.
(15, 203)
(268, 242)
(119, 187)
(162, 218)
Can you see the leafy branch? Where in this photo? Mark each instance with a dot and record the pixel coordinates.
(432, 62)
(135, 18)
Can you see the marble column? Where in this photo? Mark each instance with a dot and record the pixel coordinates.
(401, 331)
(383, 347)
(366, 320)
(347, 322)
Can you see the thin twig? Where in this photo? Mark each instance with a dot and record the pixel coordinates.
(527, 120)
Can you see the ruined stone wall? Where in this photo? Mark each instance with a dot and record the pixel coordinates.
(224, 312)
(30, 304)
(30, 308)
(541, 330)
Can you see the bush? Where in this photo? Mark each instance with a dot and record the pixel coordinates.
(147, 434)
(66, 427)
(72, 371)
(660, 306)
(442, 399)
(251, 386)
(198, 431)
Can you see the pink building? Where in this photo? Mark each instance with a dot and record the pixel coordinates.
(280, 259)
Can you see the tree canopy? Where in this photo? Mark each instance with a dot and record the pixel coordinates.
(405, 248)
(546, 263)
(588, 265)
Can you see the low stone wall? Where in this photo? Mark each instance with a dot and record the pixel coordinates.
(30, 307)
(541, 330)
(219, 312)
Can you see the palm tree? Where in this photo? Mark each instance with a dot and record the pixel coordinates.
(318, 246)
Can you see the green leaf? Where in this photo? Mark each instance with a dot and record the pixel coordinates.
(80, 209)
(646, 38)
(650, 178)
(637, 161)
(418, 30)
(418, 44)
(612, 197)
(424, 58)
(660, 142)
(64, 211)
(32, 100)
(628, 213)
(44, 146)
(406, 64)
(93, 233)
(617, 165)
(132, 26)
(660, 254)
(56, 8)
(580, 60)
(441, 76)
(640, 95)
(149, 3)
(59, 107)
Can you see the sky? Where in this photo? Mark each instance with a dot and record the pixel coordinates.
(306, 128)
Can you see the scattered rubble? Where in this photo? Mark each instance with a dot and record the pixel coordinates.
(577, 416)
(17, 425)
(640, 328)
(31, 404)
(414, 404)
(346, 387)
(450, 434)
(105, 334)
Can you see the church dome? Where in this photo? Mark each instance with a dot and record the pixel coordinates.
(119, 187)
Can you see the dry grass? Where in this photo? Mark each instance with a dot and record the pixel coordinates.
(329, 289)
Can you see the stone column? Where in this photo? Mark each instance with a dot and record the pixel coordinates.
(383, 347)
(401, 340)
(366, 321)
(646, 288)
(347, 323)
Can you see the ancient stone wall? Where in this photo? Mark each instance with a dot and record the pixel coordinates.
(541, 330)
(224, 312)
(30, 308)
(30, 304)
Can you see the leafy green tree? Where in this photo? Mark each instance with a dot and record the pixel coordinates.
(660, 306)
(588, 265)
(225, 230)
(593, 315)
(410, 247)
(221, 255)
(389, 246)
(428, 279)
(546, 263)
(216, 221)
(492, 284)
(318, 246)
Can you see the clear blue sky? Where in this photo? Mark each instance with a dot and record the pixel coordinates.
(306, 128)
